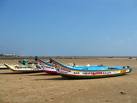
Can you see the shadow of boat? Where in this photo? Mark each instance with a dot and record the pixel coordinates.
(58, 78)
(18, 73)
(63, 78)
(4, 68)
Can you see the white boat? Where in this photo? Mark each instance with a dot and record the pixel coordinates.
(2, 66)
(48, 68)
(24, 68)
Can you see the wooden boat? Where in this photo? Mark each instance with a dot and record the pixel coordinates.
(51, 70)
(24, 68)
(2, 66)
(48, 68)
(89, 73)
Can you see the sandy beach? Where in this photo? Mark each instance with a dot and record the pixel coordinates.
(44, 88)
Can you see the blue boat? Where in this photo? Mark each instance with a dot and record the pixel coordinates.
(81, 72)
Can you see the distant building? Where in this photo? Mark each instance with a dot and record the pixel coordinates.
(8, 55)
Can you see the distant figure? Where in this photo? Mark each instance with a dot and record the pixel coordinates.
(50, 60)
(36, 58)
(74, 64)
(24, 62)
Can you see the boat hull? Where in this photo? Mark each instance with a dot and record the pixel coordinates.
(89, 73)
(3, 67)
(24, 70)
(51, 71)
(88, 77)
(93, 74)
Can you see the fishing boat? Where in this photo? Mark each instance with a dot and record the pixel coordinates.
(48, 68)
(51, 71)
(90, 72)
(2, 66)
(24, 68)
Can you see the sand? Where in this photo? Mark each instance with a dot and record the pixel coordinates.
(44, 88)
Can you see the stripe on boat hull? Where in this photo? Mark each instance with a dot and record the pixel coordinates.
(89, 77)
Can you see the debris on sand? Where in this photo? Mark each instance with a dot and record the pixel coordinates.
(123, 93)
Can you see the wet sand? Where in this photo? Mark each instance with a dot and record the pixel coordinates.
(44, 88)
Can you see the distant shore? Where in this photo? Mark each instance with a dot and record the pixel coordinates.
(65, 57)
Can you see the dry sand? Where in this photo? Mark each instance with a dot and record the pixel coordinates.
(44, 88)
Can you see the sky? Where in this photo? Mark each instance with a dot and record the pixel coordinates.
(68, 27)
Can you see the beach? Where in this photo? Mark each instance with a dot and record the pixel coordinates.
(44, 88)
